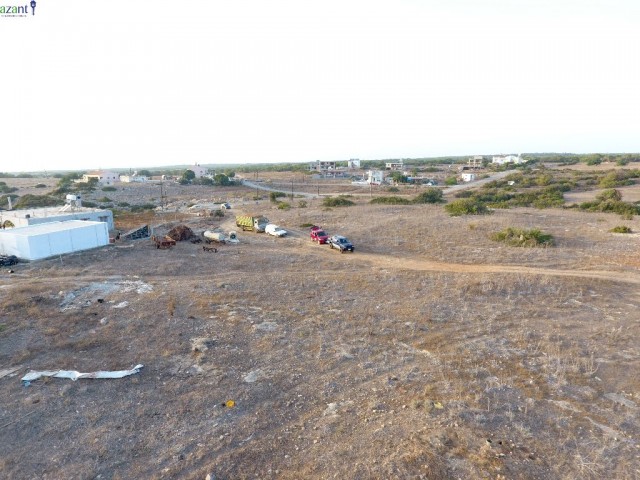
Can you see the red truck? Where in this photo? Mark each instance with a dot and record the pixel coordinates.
(318, 235)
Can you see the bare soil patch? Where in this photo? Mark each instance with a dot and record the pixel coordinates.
(430, 352)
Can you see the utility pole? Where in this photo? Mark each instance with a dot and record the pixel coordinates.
(292, 189)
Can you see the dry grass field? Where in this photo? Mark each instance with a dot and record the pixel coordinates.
(431, 352)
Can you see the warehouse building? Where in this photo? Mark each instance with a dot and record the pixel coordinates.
(36, 242)
(37, 216)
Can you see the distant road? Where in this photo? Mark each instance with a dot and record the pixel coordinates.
(260, 186)
(476, 183)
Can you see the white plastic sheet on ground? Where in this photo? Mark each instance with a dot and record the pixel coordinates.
(73, 375)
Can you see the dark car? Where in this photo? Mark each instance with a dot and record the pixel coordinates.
(8, 260)
(341, 243)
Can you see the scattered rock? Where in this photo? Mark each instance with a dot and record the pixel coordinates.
(266, 326)
(252, 376)
(201, 344)
(331, 409)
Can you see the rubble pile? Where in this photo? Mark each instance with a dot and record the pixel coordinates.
(181, 232)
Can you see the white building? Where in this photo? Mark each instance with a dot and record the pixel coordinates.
(104, 177)
(353, 163)
(504, 159)
(54, 238)
(468, 177)
(37, 216)
(375, 177)
(394, 165)
(135, 178)
(322, 167)
(198, 170)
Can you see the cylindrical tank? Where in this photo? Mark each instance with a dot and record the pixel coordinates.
(214, 236)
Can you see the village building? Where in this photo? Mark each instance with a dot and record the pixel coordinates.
(133, 178)
(104, 177)
(394, 165)
(468, 177)
(322, 167)
(504, 159)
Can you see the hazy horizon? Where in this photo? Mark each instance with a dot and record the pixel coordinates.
(123, 85)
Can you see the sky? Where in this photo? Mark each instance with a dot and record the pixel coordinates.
(136, 84)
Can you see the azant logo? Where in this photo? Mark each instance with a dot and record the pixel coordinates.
(17, 10)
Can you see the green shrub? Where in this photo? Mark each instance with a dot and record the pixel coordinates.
(302, 204)
(34, 201)
(144, 206)
(307, 225)
(621, 229)
(273, 196)
(40, 185)
(393, 189)
(609, 195)
(451, 181)
(464, 194)
(109, 189)
(284, 206)
(218, 213)
(517, 237)
(390, 201)
(105, 200)
(618, 178)
(339, 201)
(123, 204)
(4, 199)
(430, 195)
(466, 206)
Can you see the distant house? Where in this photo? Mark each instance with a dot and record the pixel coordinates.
(375, 177)
(394, 165)
(198, 170)
(322, 167)
(135, 178)
(468, 177)
(353, 163)
(104, 177)
(504, 159)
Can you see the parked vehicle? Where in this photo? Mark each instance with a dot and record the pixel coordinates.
(275, 230)
(341, 243)
(256, 223)
(8, 260)
(318, 235)
(211, 236)
(163, 242)
(225, 206)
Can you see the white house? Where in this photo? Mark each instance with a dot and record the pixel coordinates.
(353, 163)
(135, 178)
(198, 170)
(104, 177)
(502, 160)
(37, 216)
(468, 177)
(36, 242)
(394, 165)
(375, 177)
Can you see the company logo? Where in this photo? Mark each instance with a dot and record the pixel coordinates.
(18, 10)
